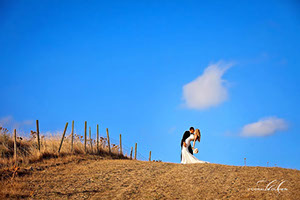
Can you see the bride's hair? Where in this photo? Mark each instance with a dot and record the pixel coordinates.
(197, 133)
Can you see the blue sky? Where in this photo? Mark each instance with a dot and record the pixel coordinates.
(152, 69)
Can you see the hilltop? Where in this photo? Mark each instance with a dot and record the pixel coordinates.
(92, 177)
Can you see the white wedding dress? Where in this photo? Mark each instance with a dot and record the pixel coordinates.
(187, 157)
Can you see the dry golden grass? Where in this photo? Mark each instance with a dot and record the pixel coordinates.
(93, 177)
(27, 148)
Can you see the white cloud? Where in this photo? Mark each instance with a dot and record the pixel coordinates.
(10, 122)
(208, 89)
(264, 127)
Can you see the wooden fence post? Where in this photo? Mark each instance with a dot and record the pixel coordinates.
(85, 127)
(97, 138)
(131, 152)
(15, 146)
(135, 151)
(90, 135)
(72, 137)
(121, 152)
(150, 156)
(63, 136)
(38, 134)
(108, 140)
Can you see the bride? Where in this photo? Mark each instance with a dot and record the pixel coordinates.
(187, 157)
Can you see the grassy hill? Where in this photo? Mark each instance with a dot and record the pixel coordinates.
(93, 177)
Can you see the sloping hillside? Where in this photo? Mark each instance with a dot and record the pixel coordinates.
(94, 178)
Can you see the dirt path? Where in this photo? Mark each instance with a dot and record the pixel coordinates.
(127, 179)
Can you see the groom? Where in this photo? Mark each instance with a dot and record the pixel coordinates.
(184, 137)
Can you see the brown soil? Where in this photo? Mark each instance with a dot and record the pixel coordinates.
(94, 178)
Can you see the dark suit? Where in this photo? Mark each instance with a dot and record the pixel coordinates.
(184, 137)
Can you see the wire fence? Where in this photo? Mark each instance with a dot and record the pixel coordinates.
(60, 142)
(126, 150)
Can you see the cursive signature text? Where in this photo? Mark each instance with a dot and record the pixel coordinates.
(274, 185)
